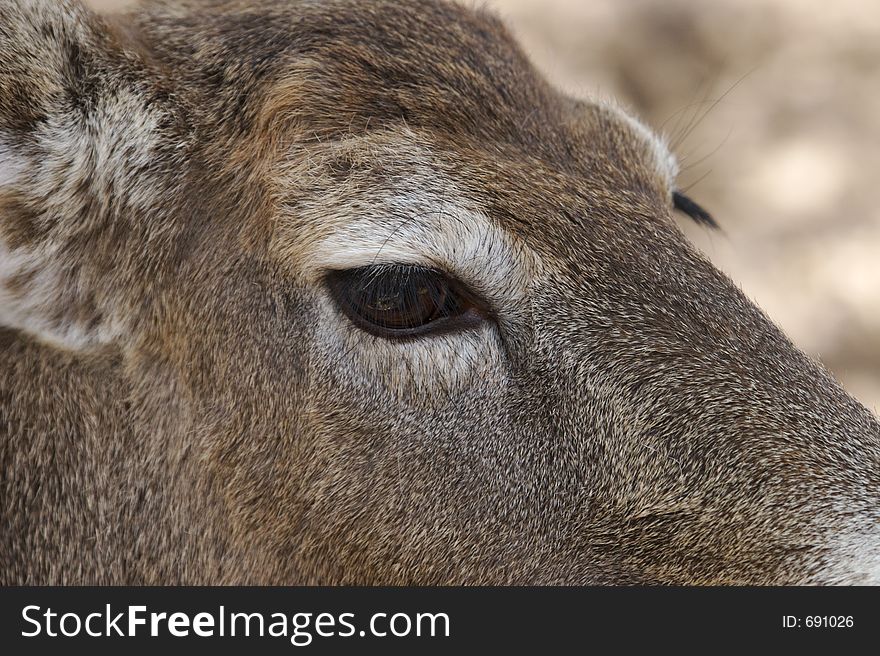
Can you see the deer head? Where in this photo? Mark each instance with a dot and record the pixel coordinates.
(345, 292)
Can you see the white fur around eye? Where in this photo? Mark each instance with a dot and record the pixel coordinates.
(419, 224)
(444, 364)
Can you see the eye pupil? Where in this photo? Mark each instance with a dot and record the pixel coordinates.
(397, 300)
(385, 303)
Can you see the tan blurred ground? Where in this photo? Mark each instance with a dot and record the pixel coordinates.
(787, 159)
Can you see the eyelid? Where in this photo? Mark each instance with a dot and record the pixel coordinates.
(455, 283)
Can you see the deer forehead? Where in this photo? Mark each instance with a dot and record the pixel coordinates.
(423, 217)
(399, 201)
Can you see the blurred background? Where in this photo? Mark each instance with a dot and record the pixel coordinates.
(773, 107)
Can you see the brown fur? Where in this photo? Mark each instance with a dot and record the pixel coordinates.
(181, 403)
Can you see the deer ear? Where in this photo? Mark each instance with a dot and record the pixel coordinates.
(84, 131)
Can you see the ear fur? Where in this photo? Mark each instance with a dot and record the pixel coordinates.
(88, 137)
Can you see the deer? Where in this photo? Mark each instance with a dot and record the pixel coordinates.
(346, 292)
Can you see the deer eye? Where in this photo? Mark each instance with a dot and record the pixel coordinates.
(402, 300)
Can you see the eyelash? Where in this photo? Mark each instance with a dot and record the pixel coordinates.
(686, 206)
(403, 301)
